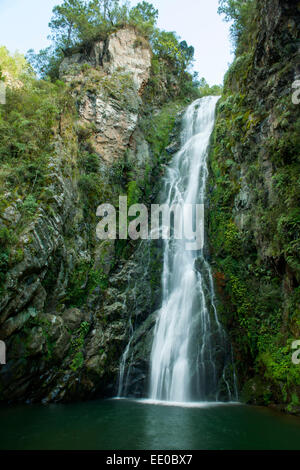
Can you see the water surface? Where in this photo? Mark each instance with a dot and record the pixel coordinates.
(138, 425)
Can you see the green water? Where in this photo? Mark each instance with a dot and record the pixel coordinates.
(132, 425)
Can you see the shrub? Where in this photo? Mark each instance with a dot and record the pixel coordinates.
(30, 205)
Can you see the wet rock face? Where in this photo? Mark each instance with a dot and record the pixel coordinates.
(133, 294)
(120, 68)
(137, 369)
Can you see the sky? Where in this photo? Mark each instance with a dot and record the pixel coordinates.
(24, 26)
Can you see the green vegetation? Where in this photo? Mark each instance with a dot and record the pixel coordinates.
(77, 343)
(10, 252)
(158, 129)
(77, 23)
(206, 90)
(84, 280)
(242, 15)
(28, 124)
(14, 67)
(254, 215)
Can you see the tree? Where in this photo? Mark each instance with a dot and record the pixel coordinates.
(166, 45)
(187, 53)
(241, 13)
(76, 22)
(46, 61)
(144, 17)
(69, 22)
(206, 90)
(16, 66)
(144, 13)
(107, 13)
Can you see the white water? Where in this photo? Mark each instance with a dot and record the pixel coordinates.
(123, 380)
(190, 357)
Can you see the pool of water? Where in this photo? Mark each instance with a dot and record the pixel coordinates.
(138, 425)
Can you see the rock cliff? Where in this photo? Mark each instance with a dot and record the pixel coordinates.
(254, 206)
(68, 300)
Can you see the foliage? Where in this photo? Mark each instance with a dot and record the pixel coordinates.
(144, 16)
(166, 46)
(254, 213)
(157, 130)
(13, 67)
(84, 280)
(28, 124)
(206, 90)
(133, 193)
(46, 61)
(241, 13)
(69, 22)
(4, 236)
(30, 205)
(89, 162)
(77, 21)
(28, 120)
(77, 344)
(10, 252)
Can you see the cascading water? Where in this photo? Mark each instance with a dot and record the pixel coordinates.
(191, 359)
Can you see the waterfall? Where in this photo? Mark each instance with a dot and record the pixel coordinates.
(191, 359)
(123, 379)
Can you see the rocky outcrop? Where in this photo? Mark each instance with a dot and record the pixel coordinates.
(123, 51)
(108, 80)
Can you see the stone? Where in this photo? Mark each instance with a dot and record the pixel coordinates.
(124, 59)
(73, 318)
(123, 50)
(62, 345)
(12, 215)
(36, 341)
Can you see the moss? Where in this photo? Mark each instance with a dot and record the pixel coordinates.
(40, 141)
(77, 361)
(4, 236)
(133, 193)
(256, 391)
(157, 130)
(16, 256)
(10, 252)
(83, 281)
(30, 205)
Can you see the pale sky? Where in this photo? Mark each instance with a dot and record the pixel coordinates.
(24, 25)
